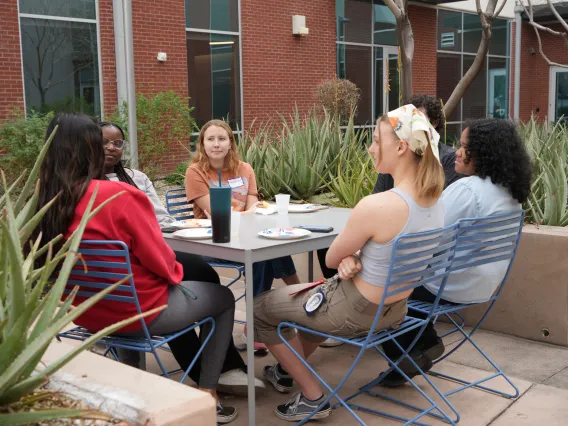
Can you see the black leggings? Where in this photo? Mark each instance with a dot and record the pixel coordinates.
(185, 347)
(428, 338)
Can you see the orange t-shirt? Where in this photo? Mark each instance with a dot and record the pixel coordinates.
(243, 184)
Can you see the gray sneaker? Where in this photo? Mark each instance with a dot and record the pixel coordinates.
(281, 382)
(300, 407)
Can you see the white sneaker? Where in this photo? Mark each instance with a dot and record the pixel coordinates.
(330, 343)
(235, 382)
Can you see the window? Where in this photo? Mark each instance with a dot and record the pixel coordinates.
(459, 35)
(60, 55)
(213, 60)
(366, 56)
(558, 108)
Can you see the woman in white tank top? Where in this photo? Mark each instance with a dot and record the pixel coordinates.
(404, 146)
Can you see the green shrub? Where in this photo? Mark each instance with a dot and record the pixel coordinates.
(178, 176)
(21, 140)
(547, 145)
(163, 121)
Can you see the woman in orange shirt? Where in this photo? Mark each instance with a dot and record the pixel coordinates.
(217, 151)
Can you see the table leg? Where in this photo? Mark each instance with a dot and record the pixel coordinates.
(310, 266)
(250, 337)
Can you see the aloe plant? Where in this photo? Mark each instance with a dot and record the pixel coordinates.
(351, 175)
(547, 145)
(31, 310)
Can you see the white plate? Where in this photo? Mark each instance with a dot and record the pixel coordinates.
(304, 208)
(194, 233)
(192, 223)
(284, 233)
(263, 211)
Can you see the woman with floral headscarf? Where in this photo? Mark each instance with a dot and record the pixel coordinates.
(403, 146)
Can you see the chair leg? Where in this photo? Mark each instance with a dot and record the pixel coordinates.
(477, 384)
(431, 411)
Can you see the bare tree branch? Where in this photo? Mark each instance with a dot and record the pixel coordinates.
(486, 19)
(501, 8)
(555, 12)
(394, 8)
(537, 28)
(556, 64)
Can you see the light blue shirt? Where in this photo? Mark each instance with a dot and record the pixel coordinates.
(473, 197)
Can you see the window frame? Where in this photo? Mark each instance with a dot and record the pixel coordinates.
(461, 54)
(237, 34)
(95, 21)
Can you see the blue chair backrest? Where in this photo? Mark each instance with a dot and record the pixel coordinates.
(488, 240)
(177, 205)
(418, 259)
(99, 267)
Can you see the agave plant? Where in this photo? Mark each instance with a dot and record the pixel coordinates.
(263, 151)
(31, 308)
(308, 146)
(548, 147)
(351, 175)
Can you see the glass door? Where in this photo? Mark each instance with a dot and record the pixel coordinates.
(497, 96)
(386, 79)
(558, 96)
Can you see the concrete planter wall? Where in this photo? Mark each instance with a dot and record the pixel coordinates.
(129, 394)
(534, 302)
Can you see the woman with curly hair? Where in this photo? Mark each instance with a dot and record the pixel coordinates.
(498, 178)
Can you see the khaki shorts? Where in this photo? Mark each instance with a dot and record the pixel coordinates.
(344, 313)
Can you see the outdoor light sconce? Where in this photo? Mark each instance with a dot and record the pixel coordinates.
(162, 57)
(299, 25)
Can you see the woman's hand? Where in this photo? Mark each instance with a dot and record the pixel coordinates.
(349, 267)
(253, 208)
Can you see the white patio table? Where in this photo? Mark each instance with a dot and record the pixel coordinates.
(249, 248)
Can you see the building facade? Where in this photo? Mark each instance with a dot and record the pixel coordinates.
(238, 59)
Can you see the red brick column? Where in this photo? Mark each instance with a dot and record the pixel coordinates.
(423, 20)
(11, 84)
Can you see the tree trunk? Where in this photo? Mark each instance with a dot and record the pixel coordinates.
(405, 39)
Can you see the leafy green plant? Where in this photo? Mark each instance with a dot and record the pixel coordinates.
(163, 120)
(547, 145)
(21, 140)
(177, 177)
(351, 175)
(264, 152)
(309, 146)
(31, 310)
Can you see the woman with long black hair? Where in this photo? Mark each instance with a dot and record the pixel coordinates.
(233, 379)
(73, 170)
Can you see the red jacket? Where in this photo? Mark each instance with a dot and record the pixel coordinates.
(129, 218)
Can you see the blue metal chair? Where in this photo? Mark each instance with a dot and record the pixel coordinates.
(416, 259)
(91, 274)
(178, 207)
(480, 241)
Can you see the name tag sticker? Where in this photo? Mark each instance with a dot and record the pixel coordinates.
(237, 182)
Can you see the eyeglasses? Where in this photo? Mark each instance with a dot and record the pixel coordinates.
(118, 144)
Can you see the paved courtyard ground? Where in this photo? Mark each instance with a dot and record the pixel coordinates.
(539, 370)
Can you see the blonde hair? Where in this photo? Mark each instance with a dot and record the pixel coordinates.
(200, 157)
(430, 176)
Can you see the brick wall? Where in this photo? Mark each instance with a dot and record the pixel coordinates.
(281, 70)
(11, 85)
(160, 27)
(108, 63)
(535, 71)
(423, 21)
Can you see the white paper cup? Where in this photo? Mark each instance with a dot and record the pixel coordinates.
(235, 223)
(282, 203)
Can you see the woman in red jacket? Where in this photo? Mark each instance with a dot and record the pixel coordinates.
(74, 169)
